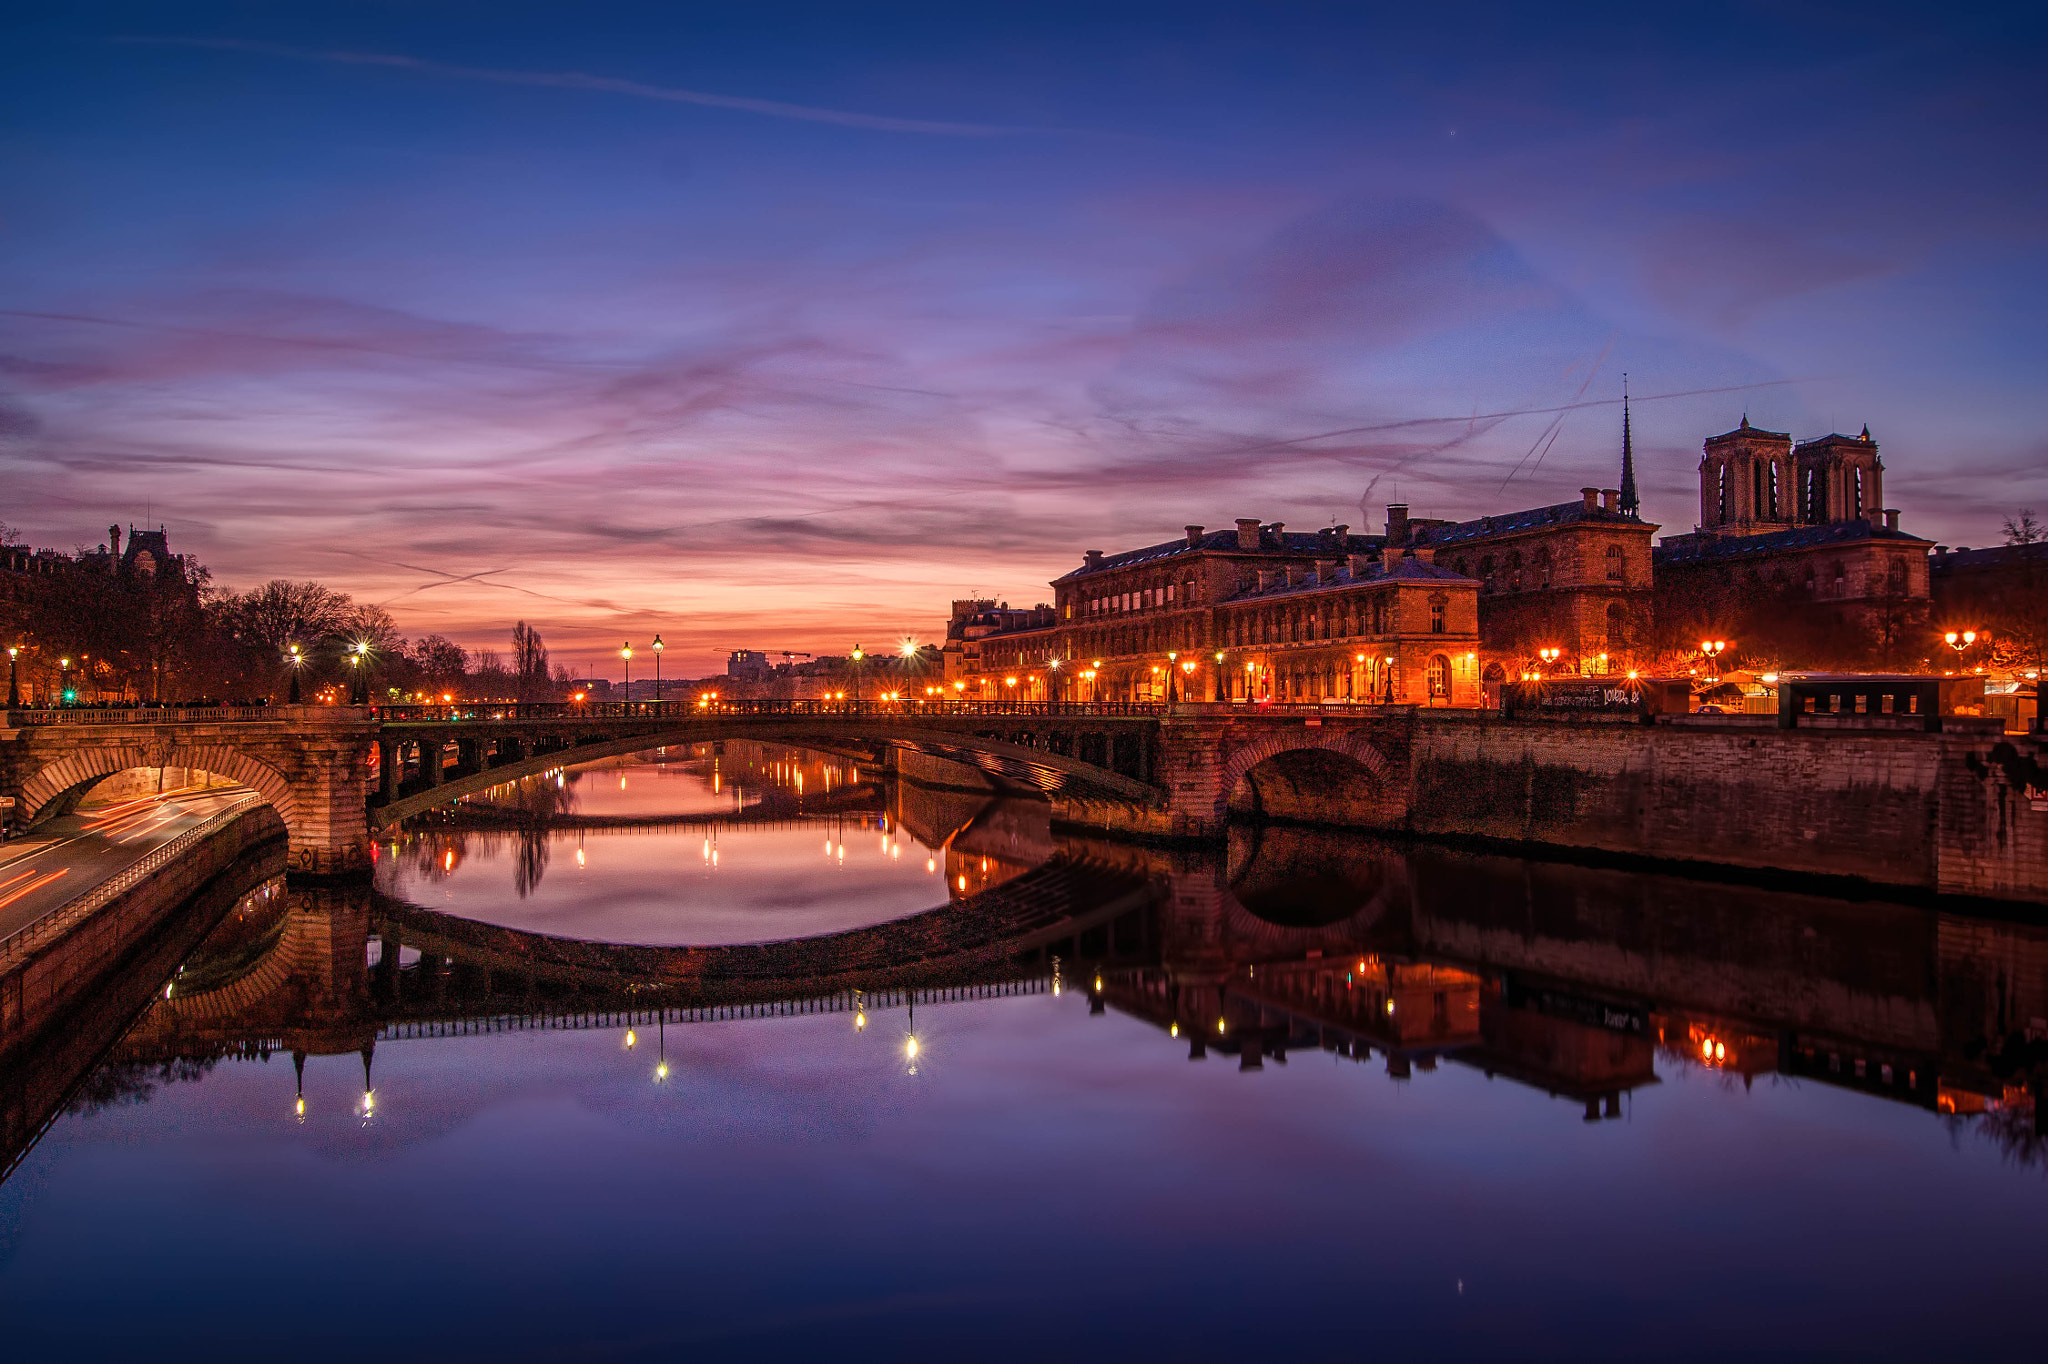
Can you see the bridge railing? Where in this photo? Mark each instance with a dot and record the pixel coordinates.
(141, 715)
(689, 710)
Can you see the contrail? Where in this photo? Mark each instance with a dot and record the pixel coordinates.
(611, 85)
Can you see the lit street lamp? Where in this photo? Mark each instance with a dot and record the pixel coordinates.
(1710, 651)
(296, 659)
(626, 652)
(13, 675)
(858, 655)
(1959, 642)
(657, 667)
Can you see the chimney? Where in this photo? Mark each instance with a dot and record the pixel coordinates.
(1608, 497)
(1592, 496)
(1296, 573)
(114, 540)
(1891, 518)
(1276, 528)
(1397, 523)
(1265, 579)
(1092, 559)
(1194, 536)
(1941, 551)
(1361, 566)
(1343, 534)
(1389, 557)
(1426, 553)
(1326, 571)
(1247, 533)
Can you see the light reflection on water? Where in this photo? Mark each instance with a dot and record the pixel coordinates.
(752, 844)
(1312, 1097)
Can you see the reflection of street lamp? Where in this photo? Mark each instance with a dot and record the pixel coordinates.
(657, 667)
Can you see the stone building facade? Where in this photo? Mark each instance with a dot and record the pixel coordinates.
(1796, 555)
(1256, 613)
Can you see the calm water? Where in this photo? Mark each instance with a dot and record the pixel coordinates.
(1311, 1097)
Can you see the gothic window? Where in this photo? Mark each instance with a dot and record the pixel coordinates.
(1617, 626)
(1895, 578)
(1859, 495)
(1809, 580)
(1756, 491)
(1486, 573)
(1839, 577)
(1774, 491)
(1438, 605)
(1615, 570)
(1721, 494)
(1515, 571)
(1439, 675)
(1543, 566)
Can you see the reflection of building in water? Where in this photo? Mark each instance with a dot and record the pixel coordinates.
(1583, 983)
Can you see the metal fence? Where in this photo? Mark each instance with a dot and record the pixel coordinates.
(134, 874)
(687, 710)
(140, 715)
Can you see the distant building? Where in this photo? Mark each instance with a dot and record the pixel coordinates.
(1795, 554)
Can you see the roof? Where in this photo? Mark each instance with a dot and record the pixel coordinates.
(1404, 570)
(1287, 544)
(1999, 556)
(1747, 430)
(1535, 518)
(1697, 547)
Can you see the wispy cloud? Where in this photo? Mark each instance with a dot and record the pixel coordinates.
(609, 85)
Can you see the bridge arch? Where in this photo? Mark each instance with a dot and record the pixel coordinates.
(59, 786)
(1345, 774)
(1047, 769)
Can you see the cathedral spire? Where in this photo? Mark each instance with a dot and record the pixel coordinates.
(1631, 506)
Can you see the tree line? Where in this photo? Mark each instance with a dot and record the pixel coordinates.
(107, 634)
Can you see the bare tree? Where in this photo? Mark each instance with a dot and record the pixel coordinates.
(2024, 528)
(282, 612)
(529, 661)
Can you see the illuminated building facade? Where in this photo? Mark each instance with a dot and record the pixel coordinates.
(1250, 614)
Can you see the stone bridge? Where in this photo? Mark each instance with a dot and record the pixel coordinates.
(1963, 810)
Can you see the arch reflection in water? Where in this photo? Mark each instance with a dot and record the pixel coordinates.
(1584, 984)
(751, 871)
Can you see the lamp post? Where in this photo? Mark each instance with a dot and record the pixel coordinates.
(858, 655)
(1710, 653)
(626, 652)
(1549, 657)
(1959, 641)
(295, 659)
(13, 675)
(657, 667)
(359, 672)
(63, 681)
(1172, 657)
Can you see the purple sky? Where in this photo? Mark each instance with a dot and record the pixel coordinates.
(777, 326)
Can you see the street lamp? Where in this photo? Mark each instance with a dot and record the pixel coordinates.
(1171, 656)
(1959, 642)
(64, 696)
(359, 676)
(13, 675)
(657, 667)
(858, 654)
(1710, 651)
(626, 652)
(296, 659)
(1549, 656)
